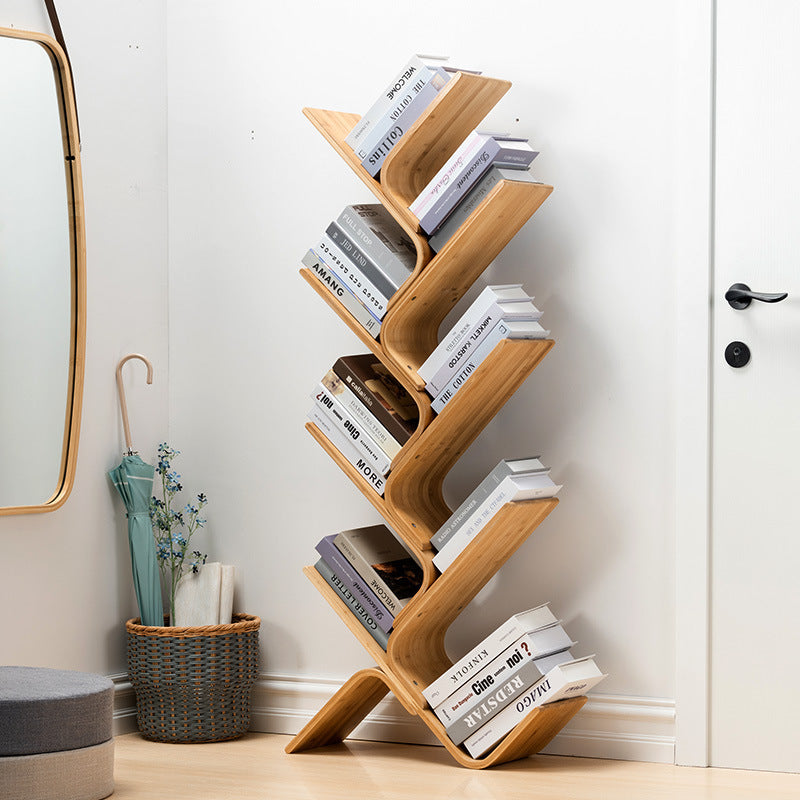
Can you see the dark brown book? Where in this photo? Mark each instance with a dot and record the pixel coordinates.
(379, 391)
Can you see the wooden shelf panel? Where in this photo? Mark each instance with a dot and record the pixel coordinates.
(414, 487)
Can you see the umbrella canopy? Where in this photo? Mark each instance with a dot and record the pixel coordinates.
(134, 481)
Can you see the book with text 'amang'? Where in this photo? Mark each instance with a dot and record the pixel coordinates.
(353, 603)
(381, 393)
(487, 650)
(571, 679)
(389, 569)
(532, 486)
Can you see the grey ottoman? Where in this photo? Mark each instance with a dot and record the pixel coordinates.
(55, 735)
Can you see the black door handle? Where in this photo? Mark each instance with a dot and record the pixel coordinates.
(739, 296)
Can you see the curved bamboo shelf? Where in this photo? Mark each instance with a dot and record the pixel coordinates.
(413, 502)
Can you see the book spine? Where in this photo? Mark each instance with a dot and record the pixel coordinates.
(373, 160)
(489, 703)
(355, 383)
(351, 430)
(409, 72)
(359, 612)
(347, 450)
(355, 583)
(468, 366)
(473, 169)
(467, 508)
(361, 287)
(440, 183)
(550, 688)
(340, 290)
(360, 564)
(364, 264)
(381, 239)
(337, 387)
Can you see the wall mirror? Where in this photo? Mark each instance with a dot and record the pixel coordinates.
(42, 275)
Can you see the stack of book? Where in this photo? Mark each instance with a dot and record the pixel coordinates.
(372, 573)
(365, 414)
(363, 258)
(462, 172)
(399, 106)
(523, 664)
(499, 312)
(512, 479)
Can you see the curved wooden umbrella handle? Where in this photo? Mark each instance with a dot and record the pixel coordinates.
(121, 389)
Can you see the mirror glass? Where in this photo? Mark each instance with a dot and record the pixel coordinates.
(41, 273)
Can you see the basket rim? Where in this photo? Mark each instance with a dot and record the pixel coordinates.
(242, 623)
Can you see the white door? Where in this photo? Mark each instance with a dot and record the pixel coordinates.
(755, 540)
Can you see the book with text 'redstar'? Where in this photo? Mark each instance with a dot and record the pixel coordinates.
(542, 648)
(468, 321)
(486, 650)
(383, 562)
(409, 73)
(505, 329)
(388, 131)
(354, 582)
(351, 430)
(356, 281)
(496, 312)
(353, 603)
(504, 468)
(571, 679)
(471, 160)
(532, 486)
(382, 240)
(353, 405)
(339, 288)
(494, 697)
(477, 194)
(381, 393)
(326, 427)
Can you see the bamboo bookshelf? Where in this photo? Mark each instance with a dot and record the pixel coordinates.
(413, 503)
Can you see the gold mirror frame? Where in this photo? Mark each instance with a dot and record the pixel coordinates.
(72, 168)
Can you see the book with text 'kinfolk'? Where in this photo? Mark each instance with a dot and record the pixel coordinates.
(388, 568)
(487, 650)
(504, 468)
(533, 486)
(571, 679)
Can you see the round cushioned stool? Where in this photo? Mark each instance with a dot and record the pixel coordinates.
(55, 735)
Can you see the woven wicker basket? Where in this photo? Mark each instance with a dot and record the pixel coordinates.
(193, 684)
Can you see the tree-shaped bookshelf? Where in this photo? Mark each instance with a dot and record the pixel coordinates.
(413, 504)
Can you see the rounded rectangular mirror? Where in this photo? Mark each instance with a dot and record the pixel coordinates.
(42, 275)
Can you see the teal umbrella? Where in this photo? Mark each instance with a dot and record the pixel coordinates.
(134, 481)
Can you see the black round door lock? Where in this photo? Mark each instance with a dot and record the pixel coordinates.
(737, 354)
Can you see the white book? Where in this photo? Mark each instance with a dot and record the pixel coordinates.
(534, 649)
(520, 310)
(572, 679)
(356, 408)
(505, 329)
(510, 489)
(486, 650)
(352, 430)
(338, 287)
(409, 72)
(357, 282)
(348, 451)
(503, 293)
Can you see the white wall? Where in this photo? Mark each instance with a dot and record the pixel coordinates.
(252, 184)
(65, 588)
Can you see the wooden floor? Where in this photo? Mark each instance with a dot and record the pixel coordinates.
(255, 768)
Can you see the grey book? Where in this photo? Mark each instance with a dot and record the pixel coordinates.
(473, 199)
(359, 612)
(364, 264)
(503, 469)
(382, 240)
